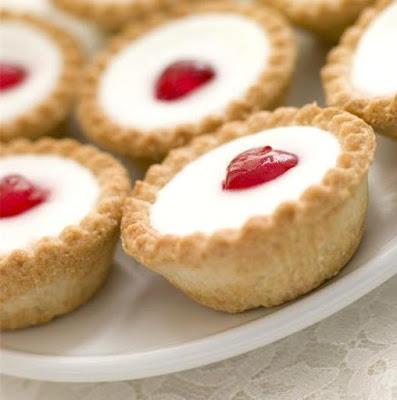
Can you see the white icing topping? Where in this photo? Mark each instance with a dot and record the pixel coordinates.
(86, 33)
(193, 201)
(374, 70)
(74, 193)
(236, 47)
(28, 47)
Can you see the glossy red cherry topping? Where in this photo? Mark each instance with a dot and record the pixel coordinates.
(256, 166)
(182, 78)
(18, 195)
(11, 75)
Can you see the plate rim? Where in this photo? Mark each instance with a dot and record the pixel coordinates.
(249, 336)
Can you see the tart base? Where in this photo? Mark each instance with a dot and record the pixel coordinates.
(78, 274)
(242, 280)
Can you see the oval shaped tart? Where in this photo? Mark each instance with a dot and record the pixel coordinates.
(262, 212)
(61, 205)
(169, 79)
(360, 75)
(327, 18)
(39, 73)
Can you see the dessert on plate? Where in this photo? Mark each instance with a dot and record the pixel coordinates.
(61, 205)
(360, 75)
(39, 74)
(258, 214)
(326, 18)
(86, 33)
(171, 78)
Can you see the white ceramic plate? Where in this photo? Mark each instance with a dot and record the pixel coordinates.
(140, 326)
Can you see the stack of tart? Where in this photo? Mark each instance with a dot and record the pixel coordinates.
(248, 207)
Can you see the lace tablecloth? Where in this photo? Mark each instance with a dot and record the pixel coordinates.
(351, 356)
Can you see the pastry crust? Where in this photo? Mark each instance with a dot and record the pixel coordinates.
(274, 258)
(265, 93)
(45, 117)
(326, 18)
(57, 274)
(113, 15)
(381, 111)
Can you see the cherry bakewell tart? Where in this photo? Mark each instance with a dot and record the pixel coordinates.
(258, 214)
(39, 72)
(60, 208)
(326, 18)
(86, 33)
(361, 73)
(171, 78)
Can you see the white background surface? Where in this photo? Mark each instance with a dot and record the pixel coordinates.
(351, 355)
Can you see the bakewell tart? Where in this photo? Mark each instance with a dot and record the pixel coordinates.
(258, 214)
(360, 75)
(39, 72)
(326, 18)
(60, 208)
(171, 78)
(86, 33)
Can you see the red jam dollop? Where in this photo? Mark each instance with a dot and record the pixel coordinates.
(256, 166)
(181, 78)
(11, 76)
(18, 195)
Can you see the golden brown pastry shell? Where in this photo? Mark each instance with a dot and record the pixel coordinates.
(273, 258)
(154, 144)
(57, 274)
(114, 15)
(47, 116)
(326, 18)
(380, 111)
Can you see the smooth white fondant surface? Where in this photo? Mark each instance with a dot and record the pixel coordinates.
(74, 193)
(193, 201)
(374, 69)
(236, 47)
(28, 47)
(85, 32)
